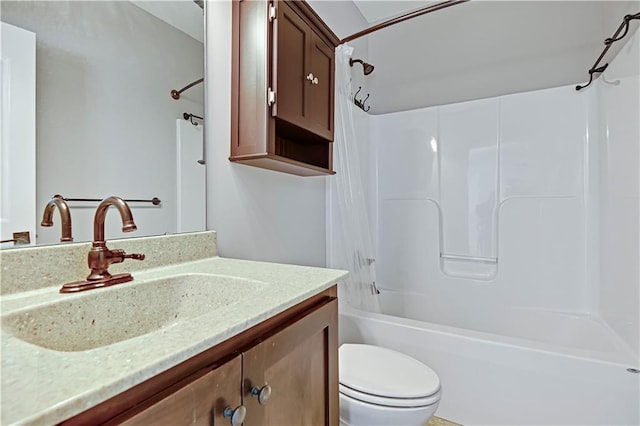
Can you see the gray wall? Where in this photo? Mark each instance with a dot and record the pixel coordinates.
(258, 214)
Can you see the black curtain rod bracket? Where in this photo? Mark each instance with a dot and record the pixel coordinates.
(189, 117)
(608, 42)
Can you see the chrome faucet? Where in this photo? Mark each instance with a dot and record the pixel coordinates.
(100, 257)
(65, 217)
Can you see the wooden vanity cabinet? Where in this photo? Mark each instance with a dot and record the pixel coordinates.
(297, 364)
(294, 353)
(283, 79)
(200, 402)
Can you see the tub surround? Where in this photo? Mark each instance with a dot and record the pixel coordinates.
(43, 386)
(507, 247)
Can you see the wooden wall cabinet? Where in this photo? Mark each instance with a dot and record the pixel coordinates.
(283, 72)
(293, 357)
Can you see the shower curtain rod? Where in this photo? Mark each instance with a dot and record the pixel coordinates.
(175, 94)
(402, 18)
(608, 42)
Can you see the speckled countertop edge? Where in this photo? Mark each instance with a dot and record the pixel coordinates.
(59, 385)
(38, 267)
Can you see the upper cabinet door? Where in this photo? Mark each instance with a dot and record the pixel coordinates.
(292, 47)
(303, 74)
(320, 101)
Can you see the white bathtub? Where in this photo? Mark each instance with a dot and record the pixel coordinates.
(510, 366)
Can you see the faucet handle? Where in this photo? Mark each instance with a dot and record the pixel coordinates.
(136, 256)
(118, 256)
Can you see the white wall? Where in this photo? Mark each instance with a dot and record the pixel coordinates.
(501, 178)
(258, 214)
(105, 119)
(619, 96)
(482, 49)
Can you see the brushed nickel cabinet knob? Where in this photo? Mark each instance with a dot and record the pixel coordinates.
(236, 415)
(263, 394)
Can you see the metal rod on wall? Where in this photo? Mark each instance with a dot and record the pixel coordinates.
(155, 201)
(189, 117)
(608, 43)
(402, 18)
(175, 94)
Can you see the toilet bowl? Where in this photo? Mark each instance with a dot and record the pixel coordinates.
(383, 387)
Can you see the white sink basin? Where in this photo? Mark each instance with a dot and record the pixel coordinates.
(102, 317)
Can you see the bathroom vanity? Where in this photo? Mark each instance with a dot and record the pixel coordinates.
(289, 362)
(210, 341)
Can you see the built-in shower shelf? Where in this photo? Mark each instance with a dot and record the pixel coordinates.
(473, 267)
(469, 258)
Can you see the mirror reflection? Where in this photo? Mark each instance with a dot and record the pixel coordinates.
(87, 113)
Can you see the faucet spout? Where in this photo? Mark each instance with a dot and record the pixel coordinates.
(65, 216)
(100, 257)
(128, 225)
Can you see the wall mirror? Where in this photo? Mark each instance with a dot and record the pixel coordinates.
(102, 119)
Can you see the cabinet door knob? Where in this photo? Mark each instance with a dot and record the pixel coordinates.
(263, 394)
(310, 77)
(315, 80)
(237, 416)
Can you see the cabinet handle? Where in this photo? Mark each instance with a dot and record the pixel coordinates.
(237, 416)
(312, 79)
(263, 394)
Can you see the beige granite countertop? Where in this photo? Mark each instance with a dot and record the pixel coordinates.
(42, 386)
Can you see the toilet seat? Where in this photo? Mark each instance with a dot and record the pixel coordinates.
(385, 377)
(388, 401)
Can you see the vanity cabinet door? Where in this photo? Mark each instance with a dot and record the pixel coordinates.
(200, 402)
(299, 364)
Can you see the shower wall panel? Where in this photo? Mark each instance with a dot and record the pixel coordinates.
(407, 154)
(619, 90)
(469, 187)
(500, 178)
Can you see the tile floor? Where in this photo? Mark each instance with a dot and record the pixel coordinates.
(437, 421)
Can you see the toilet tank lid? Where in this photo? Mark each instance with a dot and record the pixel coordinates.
(385, 372)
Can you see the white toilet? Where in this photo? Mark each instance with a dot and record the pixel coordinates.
(379, 386)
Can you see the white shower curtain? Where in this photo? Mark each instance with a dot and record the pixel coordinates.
(350, 243)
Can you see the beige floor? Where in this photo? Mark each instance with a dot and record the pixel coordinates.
(437, 421)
